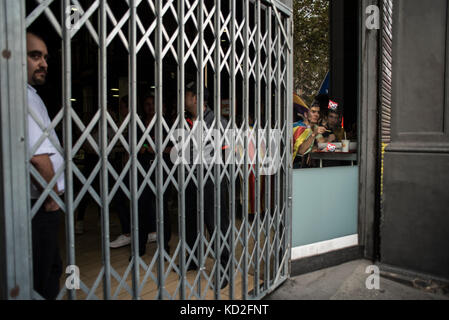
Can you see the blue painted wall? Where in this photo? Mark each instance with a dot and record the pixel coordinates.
(324, 204)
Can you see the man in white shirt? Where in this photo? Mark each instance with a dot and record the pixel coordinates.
(45, 157)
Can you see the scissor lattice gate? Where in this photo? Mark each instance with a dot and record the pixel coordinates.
(240, 50)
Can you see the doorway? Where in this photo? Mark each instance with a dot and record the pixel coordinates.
(326, 177)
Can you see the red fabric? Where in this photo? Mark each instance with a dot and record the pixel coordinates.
(298, 133)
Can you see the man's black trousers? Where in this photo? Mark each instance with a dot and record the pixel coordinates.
(209, 215)
(47, 263)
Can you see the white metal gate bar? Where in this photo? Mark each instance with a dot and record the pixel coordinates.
(181, 169)
(67, 95)
(158, 102)
(257, 60)
(268, 216)
(103, 149)
(132, 65)
(218, 144)
(232, 102)
(245, 267)
(200, 171)
(15, 269)
(278, 126)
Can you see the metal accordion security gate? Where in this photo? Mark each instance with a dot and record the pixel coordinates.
(236, 172)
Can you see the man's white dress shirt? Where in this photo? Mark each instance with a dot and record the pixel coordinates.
(36, 104)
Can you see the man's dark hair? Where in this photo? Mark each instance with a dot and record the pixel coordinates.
(191, 87)
(37, 34)
(148, 94)
(322, 100)
(140, 109)
(315, 104)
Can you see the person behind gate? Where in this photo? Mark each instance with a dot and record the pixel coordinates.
(147, 200)
(191, 101)
(47, 263)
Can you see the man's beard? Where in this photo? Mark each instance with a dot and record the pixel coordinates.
(40, 80)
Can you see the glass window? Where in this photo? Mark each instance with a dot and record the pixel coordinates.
(325, 97)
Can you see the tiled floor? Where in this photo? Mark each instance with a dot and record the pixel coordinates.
(88, 254)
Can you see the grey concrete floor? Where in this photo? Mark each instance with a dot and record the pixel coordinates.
(347, 282)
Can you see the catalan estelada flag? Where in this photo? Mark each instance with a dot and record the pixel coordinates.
(300, 131)
(300, 134)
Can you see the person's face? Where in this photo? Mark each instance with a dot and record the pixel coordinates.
(123, 109)
(37, 55)
(314, 114)
(191, 101)
(332, 119)
(148, 107)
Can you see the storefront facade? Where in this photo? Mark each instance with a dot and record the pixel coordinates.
(390, 207)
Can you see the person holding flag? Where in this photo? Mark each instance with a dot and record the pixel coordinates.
(304, 134)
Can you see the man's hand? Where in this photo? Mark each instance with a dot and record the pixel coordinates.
(50, 205)
(332, 138)
(319, 130)
(43, 165)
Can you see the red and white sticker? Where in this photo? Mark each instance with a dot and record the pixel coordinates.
(333, 105)
(331, 147)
